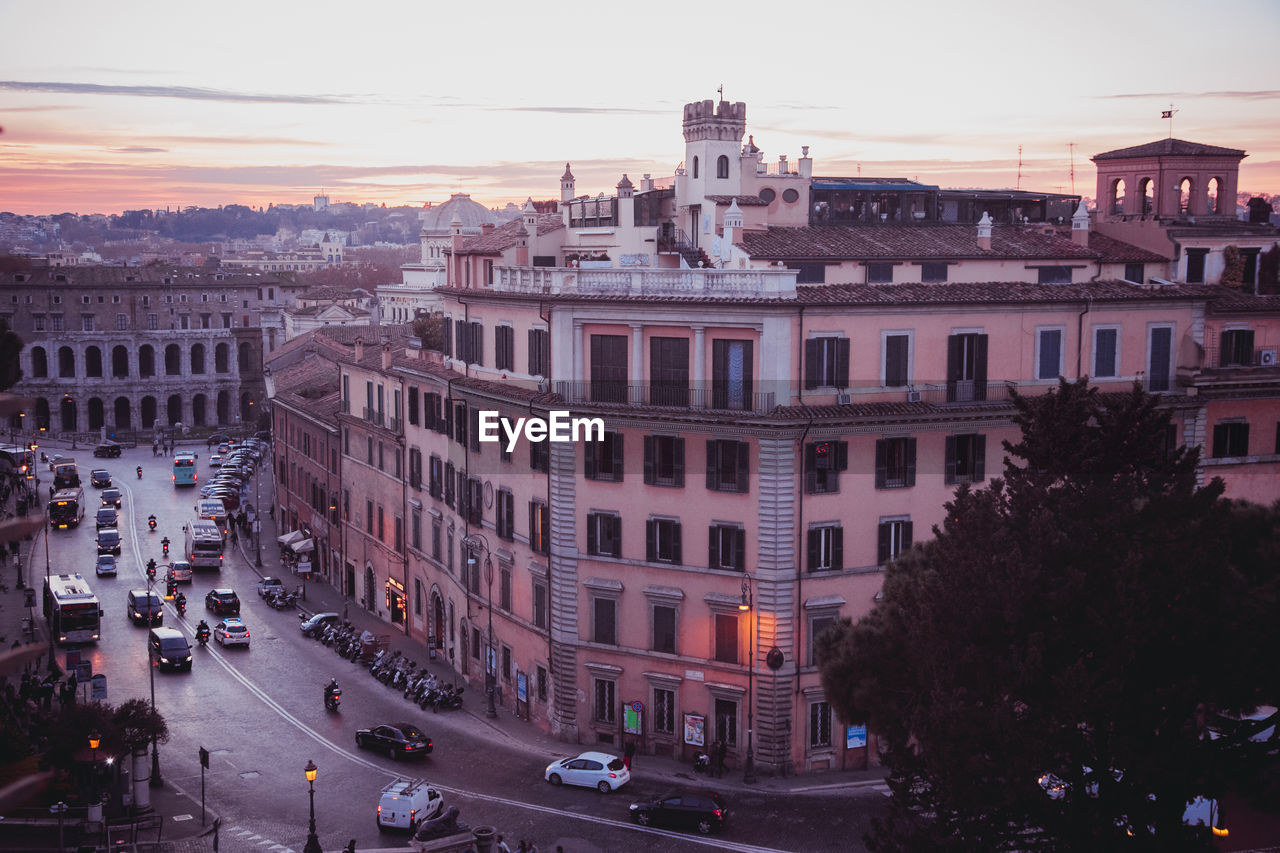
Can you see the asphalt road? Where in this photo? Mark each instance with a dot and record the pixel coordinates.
(260, 713)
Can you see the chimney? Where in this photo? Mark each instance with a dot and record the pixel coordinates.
(646, 183)
(732, 225)
(386, 355)
(625, 188)
(984, 232)
(1080, 225)
(522, 246)
(487, 228)
(806, 162)
(782, 164)
(359, 349)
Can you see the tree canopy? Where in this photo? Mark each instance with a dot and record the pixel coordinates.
(1076, 617)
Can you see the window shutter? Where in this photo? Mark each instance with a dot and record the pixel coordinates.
(950, 475)
(1244, 439)
(906, 535)
(500, 514)
(648, 459)
(810, 482)
(678, 465)
(744, 466)
(413, 405)
(651, 540)
(713, 464)
(740, 554)
(614, 523)
(842, 455)
(473, 415)
(815, 549)
(617, 447)
(837, 548)
(911, 461)
(533, 352)
(533, 528)
(1246, 347)
(842, 363)
(589, 460)
(477, 343)
(980, 368)
(812, 362)
(1226, 353)
(955, 364)
(882, 462)
(593, 537)
(882, 552)
(979, 458)
(1220, 441)
(676, 555)
(713, 547)
(447, 417)
(895, 368)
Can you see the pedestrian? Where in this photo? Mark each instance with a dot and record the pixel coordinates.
(502, 846)
(523, 846)
(720, 748)
(628, 752)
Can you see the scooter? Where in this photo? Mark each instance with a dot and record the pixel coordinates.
(202, 634)
(181, 602)
(151, 522)
(332, 698)
(164, 543)
(139, 472)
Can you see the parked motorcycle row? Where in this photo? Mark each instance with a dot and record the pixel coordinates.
(281, 600)
(393, 669)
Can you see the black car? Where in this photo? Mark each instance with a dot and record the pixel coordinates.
(107, 450)
(100, 478)
(109, 541)
(395, 740)
(107, 517)
(703, 812)
(111, 497)
(222, 601)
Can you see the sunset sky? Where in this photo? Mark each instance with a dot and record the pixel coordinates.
(107, 107)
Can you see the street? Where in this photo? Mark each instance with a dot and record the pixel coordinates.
(259, 712)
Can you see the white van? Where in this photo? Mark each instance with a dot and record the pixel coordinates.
(406, 803)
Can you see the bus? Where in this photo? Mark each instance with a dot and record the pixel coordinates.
(72, 610)
(184, 469)
(20, 460)
(213, 509)
(66, 509)
(204, 544)
(66, 474)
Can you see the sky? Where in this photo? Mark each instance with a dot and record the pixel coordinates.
(138, 104)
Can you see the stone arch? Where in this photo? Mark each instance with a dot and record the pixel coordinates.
(123, 413)
(148, 412)
(1147, 193)
(1215, 195)
(93, 362)
(198, 405)
(119, 362)
(1186, 189)
(197, 358)
(435, 630)
(97, 413)
(174, 409)
(463, 642)
(67, 415)
(224, 407)
(172, 360)
(66, 363)
(221, 358)
(722, 166)
(695, 166)
(370, 588)
(146, 361)
(39, 363)
(1117, 197)
(244, 357)
(42, 413)
(246, 407)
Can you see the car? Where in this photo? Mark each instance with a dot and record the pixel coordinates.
(598, 770)
(106, 567)
(100, 478)
(179, 572)
(224, 447)
(703, 812)
(112, 497)
(107, 450)
(270, 585)
(145, 606)
(311, 626)
(169, 649)
(216, 438)
(109, 541)
(107, 516)
(230, 499)
(396, 740)
(215, 461)
(222, 600)
(406, 803)
(231, 632)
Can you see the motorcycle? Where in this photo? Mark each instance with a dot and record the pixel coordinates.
(182, 605)
(139, 472)
(202, 634)
(164, 543)
(332, 698)
(151, 522)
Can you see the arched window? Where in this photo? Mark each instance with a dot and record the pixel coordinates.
(93, 363)
(42, 413)
(66, 363)
(175, 409)
(146, 361)
(722, 166)
(39, 363)
(1185, 188)
(68, 414)
(97, 413)
(1215, 195)
(221, 358)
(224, 407)
(123, 413)
(198, 405)
(148, 412)
(1117, 197)
(197, 358)
(244, 357)
(119, 363)
(1147, 190)
(695, 167)
(172, 360)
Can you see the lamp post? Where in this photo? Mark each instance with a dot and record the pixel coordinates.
(257, 519)
(94, 740)
(60, 809)
(156, 781)
(313, 843)
(749, 769)
(490, 657)
(53, 664)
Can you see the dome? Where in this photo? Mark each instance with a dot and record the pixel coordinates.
(472, 215)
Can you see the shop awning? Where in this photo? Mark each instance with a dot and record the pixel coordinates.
(304, 546)
(291, 537)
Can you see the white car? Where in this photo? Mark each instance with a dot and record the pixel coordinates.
(215, 461)
(231, 632)
(598, 770)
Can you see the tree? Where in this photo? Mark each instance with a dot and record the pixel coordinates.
(1071, 618)
(11, 345)
(429, 327)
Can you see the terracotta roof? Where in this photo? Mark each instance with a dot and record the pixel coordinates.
(505, 236)
(1113, 251)
(906, 242)
(1170, 147)
(1227, 300)
(311, 310)
(994, 292)
(743, 200)
(149, 277)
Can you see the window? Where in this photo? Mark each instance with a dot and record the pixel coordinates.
(605, 702)
(790, 195)
(1231, 439)
(540, 673)
(819, 725)
(895, 463)
(896, 347)
(1159, 358)
(731, 374)
(1053, 275)
(879, 273)
(722, 167)
(415, 527)
(1135, 273)
(823, 462)
(609, 368)
(122, 322)
(539, 604)
(726, 638)
(895, 538)
(38, 320)
(539, 352)
(966, 458)
(449, 484)
(1049, 353)
(55, 321)
(415, 468)
(504, 342)
(664, 629)
(728, 465)
(1106, 355)
(474, 505)
(504, 587)
(602, 460)
(505, 515)
(669, 371)
(368, 517)
(826, 548)
(540, 456)
(826, 362)
(604, 534)
(933, 272)
(436, 525)
(662, 541)
(817, 625)
(604, 620)
(664, 460)
(470, 342)
(809, 273)
(435, 479)
(86, 322)
(1235, 348)
(1195, 265)
(966, 367)
(413, 405)
(727, 547)
(539, 527)
(664, 711)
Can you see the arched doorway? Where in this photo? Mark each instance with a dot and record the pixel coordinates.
(97, 412)
(463, 642)
(66, 363)
(436, 629)
(93, 362)
(370, 600)
(119, 362)
(123, 413)
(172, 360)
(148, 412)
(146, 360)
(39, 363)
(175, 409)
(197, 409)
(224, 407)
(42, 413)
(221, 358)
(67, 414)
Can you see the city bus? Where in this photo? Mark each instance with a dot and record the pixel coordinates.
(204, 544)
(20, 460)
(66, 509)
(213, 509)
(72, 610)
(66, 474)
(184, 469)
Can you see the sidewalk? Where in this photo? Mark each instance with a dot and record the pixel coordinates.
(506, 727)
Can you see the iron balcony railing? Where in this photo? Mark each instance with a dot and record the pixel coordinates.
(665, 395)
(1216, 357)
(373, 416)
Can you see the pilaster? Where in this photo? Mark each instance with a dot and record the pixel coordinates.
(775, 599)
(563, 712)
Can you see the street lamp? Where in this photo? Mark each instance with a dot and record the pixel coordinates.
(313, 843)
(59, 809)
(490, 657)
(749, 769)
(257, 519)
(156, 781)
(94, 740)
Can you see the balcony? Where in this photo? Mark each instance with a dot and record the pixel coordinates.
(593, 213)
(647, 283)
(1216, 358)
(373, 416)
(626, 394)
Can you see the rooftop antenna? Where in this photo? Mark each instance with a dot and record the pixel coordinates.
(720, 91)
(1169, 115)
(1072, 147)
(1019, 184)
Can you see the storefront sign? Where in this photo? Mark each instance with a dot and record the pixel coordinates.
(695, 729)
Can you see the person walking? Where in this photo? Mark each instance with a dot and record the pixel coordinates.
(628, 752)
(720, 749)
(501, 846)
